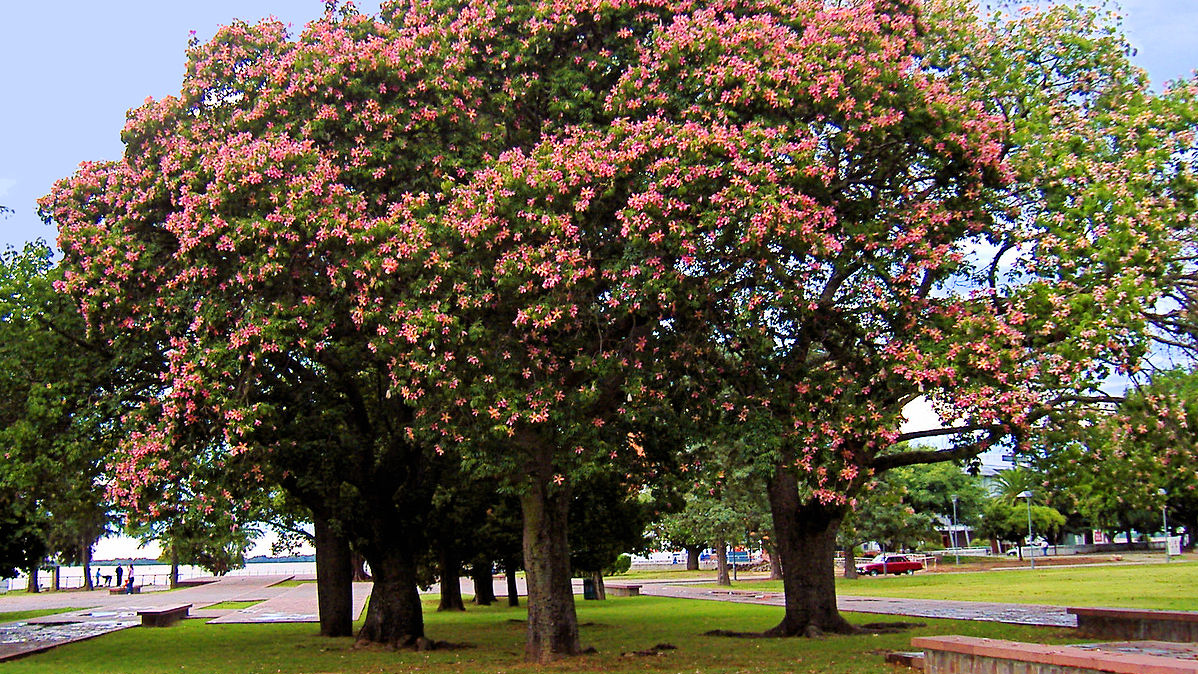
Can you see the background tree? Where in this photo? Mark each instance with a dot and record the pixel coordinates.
(609, 517)
(1007, 521)
(886, 515)
(723, 506)
(857, 295)
(1114, 472)
(55, 422)
(22, 539)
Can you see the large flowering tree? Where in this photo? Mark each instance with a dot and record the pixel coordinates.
(252, 229)
(224, 233)
(772, 215)
(978, 212)
(520, 233)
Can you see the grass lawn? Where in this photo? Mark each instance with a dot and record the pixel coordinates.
(1160, 586)
(13, 616)
(234, 605)
(494, 638)
(292, 583)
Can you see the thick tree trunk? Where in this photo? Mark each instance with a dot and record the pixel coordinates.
(600, 589)
(692, 557)
(451, 583)
(721, 563)
(358, 562)
(394, 615)
(334, 581)
(806, 535)
(174, 577)
(552, 621)
(87, 567)
(484, 583)
(33, 585)
(850, 561)
(56, 578)
(513, 591)
(775, 561)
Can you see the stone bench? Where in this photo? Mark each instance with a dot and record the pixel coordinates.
(164, 616)
(953, 654)
(622, 590)
(136, 589)
(1126, 623)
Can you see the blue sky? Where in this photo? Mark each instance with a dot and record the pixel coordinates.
(71, 70)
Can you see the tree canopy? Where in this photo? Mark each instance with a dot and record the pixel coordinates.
(545, 241)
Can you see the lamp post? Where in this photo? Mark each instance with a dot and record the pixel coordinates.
(953, 531)
(1027, 494)
(1165, 519)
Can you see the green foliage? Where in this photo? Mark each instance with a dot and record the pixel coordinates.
(906, 506)
(22, 535)
(883, 514)
(1114, 470)
(725, 500)
(1009, 521)
(608, 517)
(56, 421)
(620, 567)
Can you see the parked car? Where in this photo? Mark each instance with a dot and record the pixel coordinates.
(889, 562)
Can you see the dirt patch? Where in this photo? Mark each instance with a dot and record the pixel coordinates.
(734, 635)
(891, 627)
(657, 650)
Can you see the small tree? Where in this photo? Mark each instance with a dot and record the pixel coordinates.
(1008, 521)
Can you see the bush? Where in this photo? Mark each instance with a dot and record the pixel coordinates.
(621, 565)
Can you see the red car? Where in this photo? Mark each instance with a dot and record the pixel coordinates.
(889, 563)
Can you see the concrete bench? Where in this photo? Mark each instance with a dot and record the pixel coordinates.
(1126, 623)
(952, 654)
(164, 616)
(136, 589)
(622, 590)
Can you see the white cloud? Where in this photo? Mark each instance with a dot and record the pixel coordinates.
(919, 416)
(123, 547)
(6, 184)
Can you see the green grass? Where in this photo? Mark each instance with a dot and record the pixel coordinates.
(235, 605)
(496, 638)
(1160, 586)
(292, 583)
(13, 616)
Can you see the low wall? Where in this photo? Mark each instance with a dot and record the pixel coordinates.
(1138, 624)
(959, 655)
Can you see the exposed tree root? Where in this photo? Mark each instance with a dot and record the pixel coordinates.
(407, 642)
(659, 649)
(891, 628)
(810, 631)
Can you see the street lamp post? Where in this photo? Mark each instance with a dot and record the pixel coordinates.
(953, 531)
(1165, 520)
(1031, 555)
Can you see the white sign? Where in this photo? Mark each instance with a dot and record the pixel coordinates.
(1174, 546)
